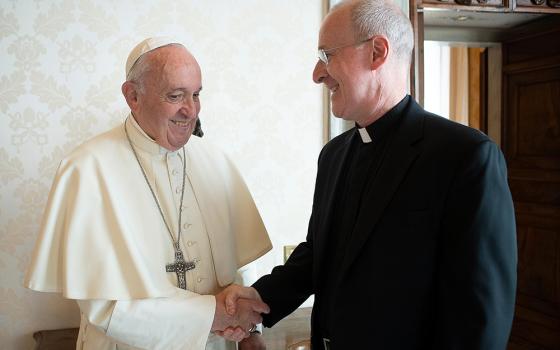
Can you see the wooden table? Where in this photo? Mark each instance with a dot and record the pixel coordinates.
(292, 329)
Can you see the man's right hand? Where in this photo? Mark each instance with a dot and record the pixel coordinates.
(241, 314)
(235, 292)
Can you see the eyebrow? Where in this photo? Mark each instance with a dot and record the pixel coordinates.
(185, 89)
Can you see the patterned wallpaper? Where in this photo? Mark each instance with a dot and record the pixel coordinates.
(61, 67)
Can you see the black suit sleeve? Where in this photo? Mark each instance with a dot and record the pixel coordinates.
(288, 285)
(478, 256)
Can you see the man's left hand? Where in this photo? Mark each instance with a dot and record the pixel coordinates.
(254, 342)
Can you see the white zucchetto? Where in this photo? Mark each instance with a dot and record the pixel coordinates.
(146, 46)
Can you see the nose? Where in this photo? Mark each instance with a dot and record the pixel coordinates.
(189, 108)
(320, 72)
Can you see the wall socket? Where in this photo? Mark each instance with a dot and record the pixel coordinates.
(288, 249)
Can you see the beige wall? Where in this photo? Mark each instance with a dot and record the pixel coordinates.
(61, 66)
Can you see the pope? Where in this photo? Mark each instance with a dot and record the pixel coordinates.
(145, 224)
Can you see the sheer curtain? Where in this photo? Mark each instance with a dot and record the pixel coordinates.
(459, 85)
(452, 81)
(436, 77)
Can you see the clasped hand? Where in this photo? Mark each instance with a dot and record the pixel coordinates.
(238, 310)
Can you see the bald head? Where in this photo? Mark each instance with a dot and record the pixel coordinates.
(381, 17)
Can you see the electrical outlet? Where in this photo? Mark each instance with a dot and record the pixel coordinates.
(288, 249)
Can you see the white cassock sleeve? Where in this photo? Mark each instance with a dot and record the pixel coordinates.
(178, 322)
(181, 321)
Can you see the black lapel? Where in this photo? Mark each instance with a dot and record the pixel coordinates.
(334, 165)
(399, 157)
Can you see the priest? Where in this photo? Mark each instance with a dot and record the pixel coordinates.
(412, 235)
(145, 224)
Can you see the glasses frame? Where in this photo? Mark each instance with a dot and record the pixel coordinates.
(322, 53)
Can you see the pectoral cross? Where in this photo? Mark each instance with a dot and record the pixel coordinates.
(180, 267)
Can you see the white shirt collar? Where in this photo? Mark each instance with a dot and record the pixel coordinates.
(364, 135)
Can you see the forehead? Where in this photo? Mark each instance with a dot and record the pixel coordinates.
(336, 28)
(173, 67)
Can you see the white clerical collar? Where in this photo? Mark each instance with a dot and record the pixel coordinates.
(364, 135)
(142, 140)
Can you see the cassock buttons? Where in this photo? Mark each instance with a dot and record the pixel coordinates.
(186, 225)
(190, 243)
(175, 172)
(178, 189)
(199, 279)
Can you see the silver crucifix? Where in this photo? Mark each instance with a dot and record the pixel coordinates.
(180, 267)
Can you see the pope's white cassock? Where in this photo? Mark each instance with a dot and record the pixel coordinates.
(103, 241)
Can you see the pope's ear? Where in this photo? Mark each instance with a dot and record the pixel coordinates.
(380, 51)
(130, 92)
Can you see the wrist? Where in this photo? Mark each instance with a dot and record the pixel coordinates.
(219, 322)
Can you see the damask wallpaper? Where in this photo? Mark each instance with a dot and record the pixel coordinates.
(61, 67)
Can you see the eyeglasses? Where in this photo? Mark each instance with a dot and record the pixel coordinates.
(323, 54)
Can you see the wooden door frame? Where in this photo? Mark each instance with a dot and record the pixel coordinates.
(417, 63)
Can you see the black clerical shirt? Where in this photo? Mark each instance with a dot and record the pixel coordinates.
(360, 168)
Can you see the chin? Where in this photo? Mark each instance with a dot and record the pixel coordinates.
(336, 112)
(185, 141)
(340, 115)
(337, 109)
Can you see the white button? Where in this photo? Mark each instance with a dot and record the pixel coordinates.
(199, 279)
(186, 225)
(175, 172)
(178, 190)
(190, 243)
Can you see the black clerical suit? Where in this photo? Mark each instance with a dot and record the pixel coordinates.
(411, 241)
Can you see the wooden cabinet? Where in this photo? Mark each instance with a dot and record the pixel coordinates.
(528, 6)
(495, 3)
(531, 144)
(538, 6)
(472, 5)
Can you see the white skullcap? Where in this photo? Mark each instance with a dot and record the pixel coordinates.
(146, 46)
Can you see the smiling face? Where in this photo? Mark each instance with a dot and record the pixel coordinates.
(348, 75)
(167, 104)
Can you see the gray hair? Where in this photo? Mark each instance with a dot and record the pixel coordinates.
(383, 17)
(141, 67)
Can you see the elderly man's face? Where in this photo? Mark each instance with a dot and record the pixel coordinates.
(168, 107)
(348, 74)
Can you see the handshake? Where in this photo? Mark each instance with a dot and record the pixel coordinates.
(238, 311)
